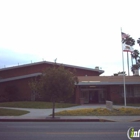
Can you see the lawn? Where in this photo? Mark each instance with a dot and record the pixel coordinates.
(100, 112)
(37, 105)
(12, 112)
(137, 105)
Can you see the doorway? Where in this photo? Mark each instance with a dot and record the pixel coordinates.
(93, 96)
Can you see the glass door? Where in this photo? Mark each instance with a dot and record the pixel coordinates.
(85, 95)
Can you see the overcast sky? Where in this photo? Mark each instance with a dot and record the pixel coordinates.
(77, 32)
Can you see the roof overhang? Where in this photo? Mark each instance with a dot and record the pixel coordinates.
(108, 80)
(20, 77)
(52, 63)
(106, 83)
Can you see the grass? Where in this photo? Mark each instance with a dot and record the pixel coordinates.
(128, 104)
(36, 105)
(100, 112)
(138, 105)
(12, 112)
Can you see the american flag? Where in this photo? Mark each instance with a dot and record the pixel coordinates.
(124, 35)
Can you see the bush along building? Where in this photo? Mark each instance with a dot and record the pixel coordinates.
(92, 88)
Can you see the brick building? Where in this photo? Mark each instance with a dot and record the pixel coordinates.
(92, 88)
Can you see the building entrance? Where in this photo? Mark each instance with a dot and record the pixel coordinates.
(93, 96)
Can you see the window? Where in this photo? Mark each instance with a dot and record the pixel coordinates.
(136, 91)
(85, 95)
(129, 91)
(121, 91)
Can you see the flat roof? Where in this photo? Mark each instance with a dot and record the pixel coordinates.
(89, 80)
(107, 83)
(52, 63)
(108, 80)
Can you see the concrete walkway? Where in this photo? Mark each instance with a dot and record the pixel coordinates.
(43, 114)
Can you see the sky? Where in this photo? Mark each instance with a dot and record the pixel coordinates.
(77, 32)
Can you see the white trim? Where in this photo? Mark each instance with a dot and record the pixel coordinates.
(20, 77)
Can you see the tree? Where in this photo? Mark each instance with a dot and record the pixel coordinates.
(34, 88)
(138, 41)
(135, 55)
(57, 83)
(129, 42)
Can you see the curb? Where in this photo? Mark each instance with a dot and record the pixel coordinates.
(55, 120)
(136, 121)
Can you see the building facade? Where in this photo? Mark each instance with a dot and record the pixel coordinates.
(91, 89)
(98, 89)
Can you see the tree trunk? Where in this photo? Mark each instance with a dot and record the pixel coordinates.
(136, 60)
(132, 68)
(131, 59)
(53, 110)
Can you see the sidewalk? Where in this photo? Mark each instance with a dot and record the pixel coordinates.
(43, 115)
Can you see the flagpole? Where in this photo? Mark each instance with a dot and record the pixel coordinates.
(128, 63)
(123, 73)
